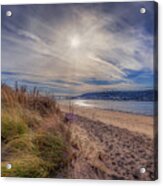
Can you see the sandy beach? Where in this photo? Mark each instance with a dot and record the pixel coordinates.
(110, 145)
(133, 122)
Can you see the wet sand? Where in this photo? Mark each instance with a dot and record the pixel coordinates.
(111, 145)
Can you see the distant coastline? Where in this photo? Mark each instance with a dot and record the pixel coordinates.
(141, 95)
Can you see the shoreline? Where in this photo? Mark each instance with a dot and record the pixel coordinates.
(133, 122)
(89, 105)
(112, 110)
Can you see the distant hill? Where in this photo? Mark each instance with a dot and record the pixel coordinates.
(143, 95)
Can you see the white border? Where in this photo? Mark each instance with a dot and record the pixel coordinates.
(42, 182)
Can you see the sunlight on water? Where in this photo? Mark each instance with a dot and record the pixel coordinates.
(82, 103)
(137, 107)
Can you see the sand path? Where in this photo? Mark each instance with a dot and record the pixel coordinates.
(102, 151)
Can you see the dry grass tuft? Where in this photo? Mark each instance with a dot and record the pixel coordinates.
(34, 137)
(30, 100)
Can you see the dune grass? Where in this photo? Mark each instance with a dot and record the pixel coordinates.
(35, 139)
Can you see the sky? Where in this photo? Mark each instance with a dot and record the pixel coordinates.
(71, 49)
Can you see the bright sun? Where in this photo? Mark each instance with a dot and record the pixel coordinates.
(75, 42)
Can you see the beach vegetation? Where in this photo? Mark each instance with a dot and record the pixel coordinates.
(34, 136)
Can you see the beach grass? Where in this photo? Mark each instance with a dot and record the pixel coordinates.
(34, 136)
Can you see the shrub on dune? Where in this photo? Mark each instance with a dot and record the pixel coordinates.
(52, 149)
(26, 166)
(32, 118)
(12, 125)
(19, 145)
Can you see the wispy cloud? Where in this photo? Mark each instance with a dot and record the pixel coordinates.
(110, 48)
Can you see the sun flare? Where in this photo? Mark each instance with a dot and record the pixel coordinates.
(75, 42)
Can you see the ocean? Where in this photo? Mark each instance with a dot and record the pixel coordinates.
(136, 107)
